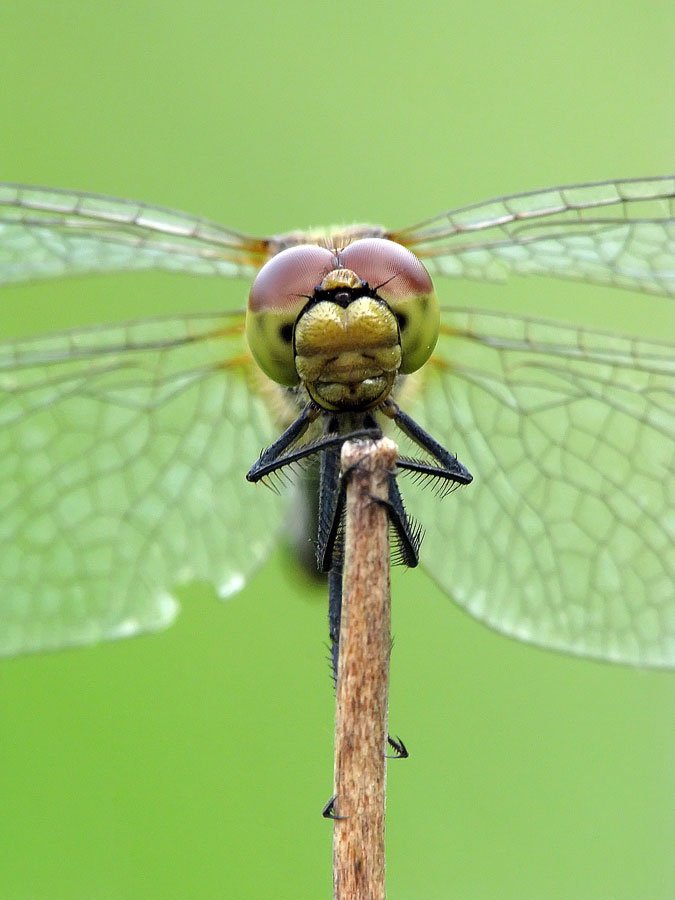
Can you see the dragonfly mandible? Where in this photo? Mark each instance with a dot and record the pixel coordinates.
(123, 448)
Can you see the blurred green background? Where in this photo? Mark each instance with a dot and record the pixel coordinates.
(195, 763)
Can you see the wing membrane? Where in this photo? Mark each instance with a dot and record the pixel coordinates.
(565, 537)
(620, 233)
(122, 458)
(123, 448)
(47, 233)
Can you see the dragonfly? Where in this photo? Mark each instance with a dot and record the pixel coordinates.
(124, 447)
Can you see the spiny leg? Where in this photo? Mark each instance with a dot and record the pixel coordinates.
(408, 533)
(278, 455)
(274, 456)
(331, 510)
(449, 467)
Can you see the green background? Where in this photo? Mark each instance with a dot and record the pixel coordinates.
(194, 764)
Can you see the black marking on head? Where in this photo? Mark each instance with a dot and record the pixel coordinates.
(342, 296)
(402, 320)
(286, 332)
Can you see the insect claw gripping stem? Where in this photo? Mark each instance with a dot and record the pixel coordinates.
(400, 752)
(328, 812)
(399, 748)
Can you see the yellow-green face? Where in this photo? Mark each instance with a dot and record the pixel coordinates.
(342, 322)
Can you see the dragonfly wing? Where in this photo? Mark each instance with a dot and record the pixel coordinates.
(565, 538)
(620, 233)
(48, 233)
(122, 458)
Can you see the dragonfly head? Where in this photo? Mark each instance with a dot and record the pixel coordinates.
(344, 323)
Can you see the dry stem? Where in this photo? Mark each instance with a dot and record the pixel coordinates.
(363, 676)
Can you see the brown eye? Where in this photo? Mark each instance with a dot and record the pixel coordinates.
(277, 297)
(390, 269)
(289, 278)
(401, 280)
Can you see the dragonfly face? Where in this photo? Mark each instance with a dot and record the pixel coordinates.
(123, 448)
(343, 320)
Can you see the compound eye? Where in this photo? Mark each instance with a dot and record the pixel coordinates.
(277, 297)
(400, 279)
(290, 278)
(388, 268)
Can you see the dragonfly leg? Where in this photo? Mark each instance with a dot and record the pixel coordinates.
(408, 532)
(334, 616)
(331, 507)
(332, 497)
(278, 455)
(274, 457)
(449, 467)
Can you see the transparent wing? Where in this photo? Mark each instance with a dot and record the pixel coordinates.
(565, 538)
(46, 233)
(613, 232)
(122, 458)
